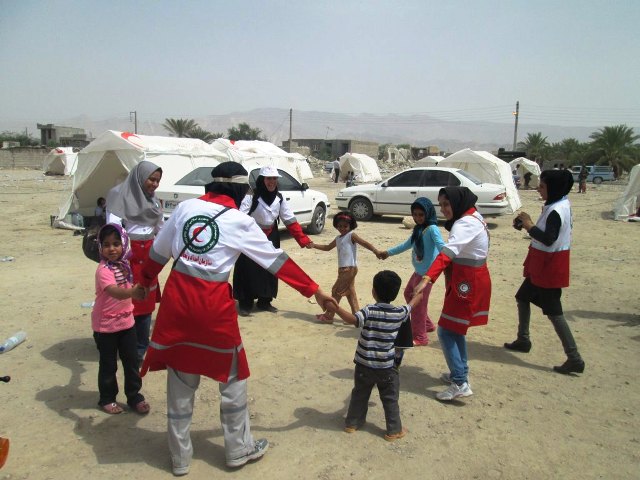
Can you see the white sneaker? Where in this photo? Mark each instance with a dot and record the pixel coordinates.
(454, 391)
(446, 378)
(260, 448)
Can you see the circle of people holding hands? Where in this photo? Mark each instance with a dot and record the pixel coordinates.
(196, 331)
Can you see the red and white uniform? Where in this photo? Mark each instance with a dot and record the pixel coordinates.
(266, 215)
(548, 266)
(196, 328)
(468, 292)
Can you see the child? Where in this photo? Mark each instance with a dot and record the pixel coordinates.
(347, 265)
(375, 355)
(468, 284)
(426, 241)
(101, 208)
(113, 324)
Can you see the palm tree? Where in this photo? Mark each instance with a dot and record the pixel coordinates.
(179, 127)
(535, 145)
(570, 150)
(615, 146)
(244, 132)
(202, 134)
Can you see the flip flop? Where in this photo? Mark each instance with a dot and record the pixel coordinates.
(112, 408)
(4, 450)
(142, 407)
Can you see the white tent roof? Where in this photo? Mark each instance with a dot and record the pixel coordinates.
(60, 161)
(488, 168)
(363, 166)
(107, 160)
(429, 161)
(523, 165)
(627, 204)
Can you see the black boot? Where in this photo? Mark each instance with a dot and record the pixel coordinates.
(570, 366)
(519, 345)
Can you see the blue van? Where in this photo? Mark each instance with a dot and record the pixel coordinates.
(597, 173)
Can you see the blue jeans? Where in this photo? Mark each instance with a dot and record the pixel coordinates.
(143, 328)
(454, 348)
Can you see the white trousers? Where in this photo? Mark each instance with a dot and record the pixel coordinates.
(234, 415)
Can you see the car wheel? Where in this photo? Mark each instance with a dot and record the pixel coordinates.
(597, 180)
(361, 209)
(317, 221)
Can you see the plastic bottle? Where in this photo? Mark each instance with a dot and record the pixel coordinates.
(13, 341)
(87, 304)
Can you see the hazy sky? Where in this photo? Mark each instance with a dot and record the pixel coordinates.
(567, 62)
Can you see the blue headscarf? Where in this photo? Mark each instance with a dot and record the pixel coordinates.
(430, 218)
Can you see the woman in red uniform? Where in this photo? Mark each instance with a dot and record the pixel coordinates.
(196, 331)
(546, 268)
(468, 284)
(133, 205)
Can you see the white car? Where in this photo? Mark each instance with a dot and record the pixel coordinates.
(309, 206)
(395, 195)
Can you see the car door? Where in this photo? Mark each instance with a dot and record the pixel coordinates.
(396, 195)
(292, 192)
(434, 180)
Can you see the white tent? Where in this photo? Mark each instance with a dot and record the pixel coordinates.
(60, 161)
(488, 168)
(256, 153)
(363, 166)
(429, 161)
(107, 160)
(627, 204)
(523, 166)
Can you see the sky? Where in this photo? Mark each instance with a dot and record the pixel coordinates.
(567, 62)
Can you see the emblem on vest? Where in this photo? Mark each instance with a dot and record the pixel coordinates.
(463, 289)
(205, 237)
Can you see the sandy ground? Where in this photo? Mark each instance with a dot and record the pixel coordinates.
(524, 421)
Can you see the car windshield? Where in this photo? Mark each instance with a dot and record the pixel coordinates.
(471, 177)
(198, 177)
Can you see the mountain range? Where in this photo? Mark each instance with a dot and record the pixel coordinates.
(417, 130)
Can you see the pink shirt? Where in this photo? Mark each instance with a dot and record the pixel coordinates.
(110, 314)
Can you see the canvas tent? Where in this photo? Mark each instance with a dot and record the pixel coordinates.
(363, 166)
(107, 160)
(627, 204)
(60, 161)
(522, 166)
(429, 161)
(488, 168)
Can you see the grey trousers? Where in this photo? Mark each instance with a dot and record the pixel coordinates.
(234, 415)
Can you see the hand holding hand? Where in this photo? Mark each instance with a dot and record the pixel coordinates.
(309, 245)
(382, 255)
(420, 287)
(326, 301)
(138, 292)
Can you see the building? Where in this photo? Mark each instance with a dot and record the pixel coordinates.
(54, 135)
(324, 148)
(420, 152)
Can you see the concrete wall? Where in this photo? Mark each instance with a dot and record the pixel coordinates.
(23, 157)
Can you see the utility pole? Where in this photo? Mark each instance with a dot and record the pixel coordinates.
(290, 128)
(515, 130)
(133, 117)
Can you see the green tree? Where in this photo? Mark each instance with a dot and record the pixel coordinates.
(202, 134)
(615, 146)
(535, 145)
(25, 140)
(244, 132)
(179, 127)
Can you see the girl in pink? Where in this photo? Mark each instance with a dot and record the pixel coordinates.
(113, 324)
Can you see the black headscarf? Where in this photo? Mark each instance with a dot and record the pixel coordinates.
(558, 182)
(262, 192)
(430, 218)
(227, 180)
(461, 200)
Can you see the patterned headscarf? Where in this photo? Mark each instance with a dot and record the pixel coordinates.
(131, 202)
(122, 263)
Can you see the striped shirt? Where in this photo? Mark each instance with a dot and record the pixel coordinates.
(380, 323)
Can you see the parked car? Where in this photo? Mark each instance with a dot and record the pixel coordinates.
(395, 195)
(597, 173)
(309, 206)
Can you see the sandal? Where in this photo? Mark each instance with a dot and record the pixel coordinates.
(142, 407)
(112, 408)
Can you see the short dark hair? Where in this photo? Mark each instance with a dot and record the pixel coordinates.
(386, 284)
(345, 217)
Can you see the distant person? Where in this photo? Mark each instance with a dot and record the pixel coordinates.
(546, 267)
(336, 170)
(351, 178)
(375, 354)
(101, 208)
(527, 179)
(582, 179)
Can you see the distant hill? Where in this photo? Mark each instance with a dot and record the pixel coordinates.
(417, 130)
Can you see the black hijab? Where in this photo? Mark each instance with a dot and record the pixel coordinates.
(461, 200)
(558, 182)
(230, 179)
(263, 192)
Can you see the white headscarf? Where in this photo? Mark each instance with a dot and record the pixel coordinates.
(131, 202)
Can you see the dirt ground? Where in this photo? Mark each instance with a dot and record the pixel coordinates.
(523, 421)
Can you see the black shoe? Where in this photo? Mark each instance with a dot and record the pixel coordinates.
(244, 312)
(570, 366)
(520, 345)
(267, 307)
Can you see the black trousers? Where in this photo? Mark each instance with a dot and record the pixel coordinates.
(110, 345)
(388, 382)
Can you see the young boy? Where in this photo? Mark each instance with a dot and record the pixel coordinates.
(375, 354)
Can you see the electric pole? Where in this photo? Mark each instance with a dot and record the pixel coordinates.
(515, 130)
(290, 127)
(133, 117)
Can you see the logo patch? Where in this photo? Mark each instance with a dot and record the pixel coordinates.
(205, 238)
(463, 289)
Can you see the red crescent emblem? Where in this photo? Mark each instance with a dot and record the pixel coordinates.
(196, 232)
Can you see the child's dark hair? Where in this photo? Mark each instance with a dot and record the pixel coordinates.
(107, 230)
(345, 217)
(387, 285)
(100, 200)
